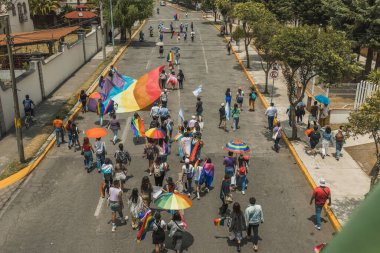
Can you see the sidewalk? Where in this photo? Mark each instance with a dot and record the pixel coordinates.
(347, 181)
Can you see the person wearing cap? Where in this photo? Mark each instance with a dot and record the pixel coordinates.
(155, 111)
(164, 98)
(253, 217)
(222, 117)
(320, 195)
(188, 173)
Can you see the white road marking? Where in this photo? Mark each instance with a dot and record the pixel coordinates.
(203, 50)
(150, 56)
(99, 207)
(125, 132)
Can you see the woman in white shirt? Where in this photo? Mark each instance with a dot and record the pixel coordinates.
(116, 203)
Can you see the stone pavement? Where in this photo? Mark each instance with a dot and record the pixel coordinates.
(347, 181)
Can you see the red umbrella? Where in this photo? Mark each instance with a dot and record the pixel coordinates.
(96, 95)
(96, 132)
(155, 133)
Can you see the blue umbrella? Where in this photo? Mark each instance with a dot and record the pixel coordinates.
(322, 99)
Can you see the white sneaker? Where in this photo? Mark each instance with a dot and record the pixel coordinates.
(198, 197)
(243, 192)
(317, 227)
(189, 195)
(113, 227)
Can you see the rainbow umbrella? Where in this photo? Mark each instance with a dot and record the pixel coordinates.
(96, 132)
(179, 136)
(237, 147)
(155, 133)
(140, 94)
(173, 201)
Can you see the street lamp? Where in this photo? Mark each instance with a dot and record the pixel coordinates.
(112, 28)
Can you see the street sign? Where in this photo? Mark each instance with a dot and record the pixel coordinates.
(273, 74)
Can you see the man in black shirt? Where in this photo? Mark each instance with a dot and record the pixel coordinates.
(222, 117)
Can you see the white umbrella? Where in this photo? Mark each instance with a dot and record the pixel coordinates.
(159, 43)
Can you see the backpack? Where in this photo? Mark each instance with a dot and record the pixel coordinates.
(27, 104)
(156, 170)
(339, 136)
(253, 96)
(150, 153)
(123, 156)
(242, 170)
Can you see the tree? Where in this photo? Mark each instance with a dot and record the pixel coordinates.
(305, 52)
(284, 10)
(366, 120)
(225, 8)
(250, 14)
(210, 5)
(374, 76)
(264, 32)
(43, 7)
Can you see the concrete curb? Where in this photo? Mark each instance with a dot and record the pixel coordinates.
(333, 219)
(47, 146)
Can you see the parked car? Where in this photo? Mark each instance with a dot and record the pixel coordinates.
(162, 3)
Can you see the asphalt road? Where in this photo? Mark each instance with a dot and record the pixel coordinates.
(59, 208)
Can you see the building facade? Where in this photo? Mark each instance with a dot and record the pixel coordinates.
(19, 16)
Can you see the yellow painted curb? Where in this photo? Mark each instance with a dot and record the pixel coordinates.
(333, 219)
(24, 172)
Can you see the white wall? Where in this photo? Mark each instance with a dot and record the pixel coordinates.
(16, 25)
(56, 69)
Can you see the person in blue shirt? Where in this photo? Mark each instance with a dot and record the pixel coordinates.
(28, 105)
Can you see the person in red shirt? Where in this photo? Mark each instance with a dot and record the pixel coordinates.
(320, 195)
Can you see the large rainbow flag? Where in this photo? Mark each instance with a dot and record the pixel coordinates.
(137, 126)
(147, 222)
(141, 94)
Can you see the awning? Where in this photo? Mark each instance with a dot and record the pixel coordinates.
(80, 15)
(41, 36)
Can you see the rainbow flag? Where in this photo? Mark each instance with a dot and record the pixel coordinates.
(147, 222)
(137, 126)
(219, 221)
(194, 151)
(170, 57)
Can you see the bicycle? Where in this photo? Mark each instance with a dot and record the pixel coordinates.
(28, 119)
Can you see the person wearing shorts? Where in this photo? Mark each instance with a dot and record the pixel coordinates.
(116, 204)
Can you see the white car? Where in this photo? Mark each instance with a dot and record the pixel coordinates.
(162, 3)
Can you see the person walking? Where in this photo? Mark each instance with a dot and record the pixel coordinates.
(252, 100)
(161, 51)
(69, 128)
(114, 125)
(187, 176)
(271, 113)
(116, 204)
(87, 152)
(120, 173)
(240, 98)
(300, 111)
(100, 152)
(159, 170)
(169, 186)
(198, 168)
(164, 98)
(324, 112)
(327, 138)
(161, 39)
(151, 153)
(75, 137)
(107, 171)
(229, 163)
(228, 46)
(238, 224)
(123, 155)
(158, 235)
(222, 117)
(163, 77)
(228, 96)
(313, 114)
(176, 228)
(235, 113)
(199, 109)
(136, 204)
(253, 217)
(83, 99)
(100, 111)
(192, 26)
(339, 141)
(155, 111)
(180, 78)
(146, 191)
(225, 194)
(320, 196)
(242, 172)
(314, 137)
(28, 106)
(177, 55)
(207, 174)
(58, 129)
(277, 133)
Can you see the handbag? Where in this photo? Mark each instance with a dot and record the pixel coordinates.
(233, 180)
(228, 198)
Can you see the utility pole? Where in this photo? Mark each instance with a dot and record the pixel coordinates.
(20, 145)
(112, 29)
(103, 28)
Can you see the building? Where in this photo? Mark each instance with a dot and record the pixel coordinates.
(72, 3)
(19, 16)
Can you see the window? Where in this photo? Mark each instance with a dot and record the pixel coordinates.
(13, 7)
(24, 7)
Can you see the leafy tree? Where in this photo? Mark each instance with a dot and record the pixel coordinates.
(284, 10)
(366, 120)
(43, 7)
(210, 5)
(264, 32)
(374, 76)
(225, 8)
(312, 12)
(305, 52)
(250, 14)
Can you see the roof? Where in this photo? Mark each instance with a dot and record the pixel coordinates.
(27, 38)
(80, 15)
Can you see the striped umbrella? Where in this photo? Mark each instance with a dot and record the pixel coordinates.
(173, 201)
(155, 133)
(237, 147)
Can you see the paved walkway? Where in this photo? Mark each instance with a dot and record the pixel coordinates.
(348, 182)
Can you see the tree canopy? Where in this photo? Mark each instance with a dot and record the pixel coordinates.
(43, 7)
